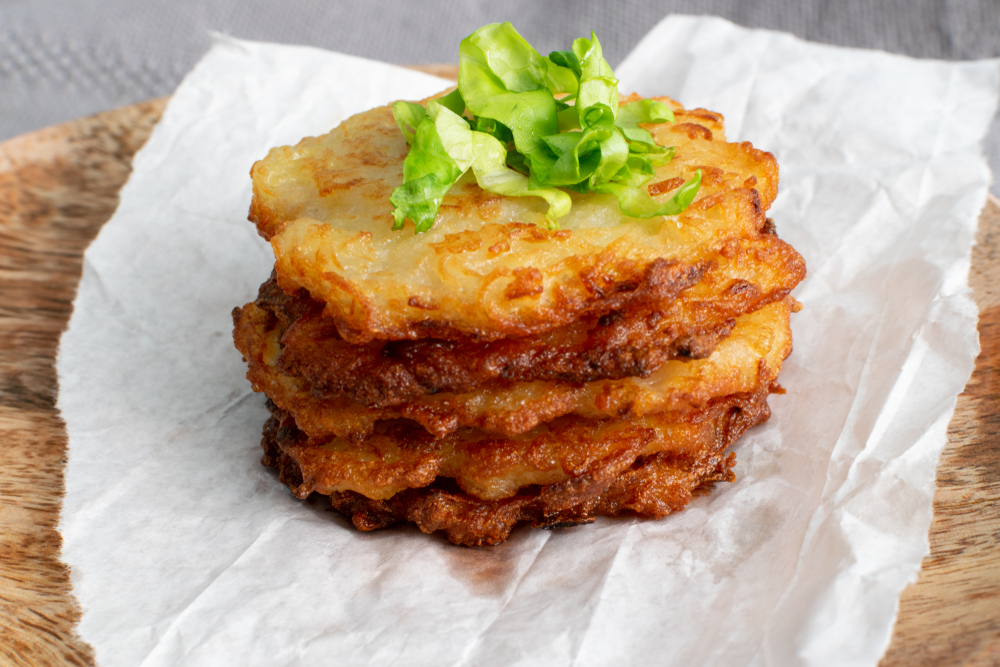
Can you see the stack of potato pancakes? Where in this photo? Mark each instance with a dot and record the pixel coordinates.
(492, 371)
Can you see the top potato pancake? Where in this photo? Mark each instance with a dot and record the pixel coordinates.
(489, 268)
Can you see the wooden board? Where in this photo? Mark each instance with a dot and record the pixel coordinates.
(58, 186)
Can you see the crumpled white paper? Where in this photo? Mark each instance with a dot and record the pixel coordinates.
(185, 550)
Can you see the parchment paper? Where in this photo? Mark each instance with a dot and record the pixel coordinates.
(185, 550)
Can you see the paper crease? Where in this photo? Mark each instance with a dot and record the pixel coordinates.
(477, 641)
(803, 558)
(173, 629)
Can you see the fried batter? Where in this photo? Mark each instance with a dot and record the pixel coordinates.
(492, 371)
(569, 455)
(629, 343)
(615, 346)
(458, 492)
(488, 267)
(756, 347)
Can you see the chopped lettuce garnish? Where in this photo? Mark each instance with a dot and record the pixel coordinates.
(428, 172)
(505, 123)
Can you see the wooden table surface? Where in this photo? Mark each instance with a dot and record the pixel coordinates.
(59, 185)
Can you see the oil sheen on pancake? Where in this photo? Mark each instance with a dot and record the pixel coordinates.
(477, 489)
(625, 343)
(491, 370)
(488, 267)
(757, 345)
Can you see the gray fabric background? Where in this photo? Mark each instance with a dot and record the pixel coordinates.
(61, 59)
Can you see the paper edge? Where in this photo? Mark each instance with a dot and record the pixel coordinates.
(219, 41)
(225, 41)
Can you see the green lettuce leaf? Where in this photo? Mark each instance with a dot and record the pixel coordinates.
(487, 157)
(614, 155)
(408, 116)
(561, 80)
(489, 165)
(566, 59)
(598, 85)
(428, 174)
(503, 78)
(643, 111)
(453, 101)
(494, 129)
(505, 123)
(635, 202)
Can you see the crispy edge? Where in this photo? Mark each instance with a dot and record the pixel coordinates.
(631, 343)
(650, 486)
(627, 343)
(519, 407)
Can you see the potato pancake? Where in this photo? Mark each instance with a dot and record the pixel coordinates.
(488, 267)
(476, 489)
(527, 300)
(756, 347)
(567, 452)
(631, 342)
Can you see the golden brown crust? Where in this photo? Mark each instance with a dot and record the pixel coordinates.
(633, 342)
(629, 478)
(379, 374)
(616, 346)
(492, 371)
(569, 456)
(488, 268)
(402, 286)
(756, 347)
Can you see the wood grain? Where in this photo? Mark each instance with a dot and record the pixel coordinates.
(57, 188)
(951, 616)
